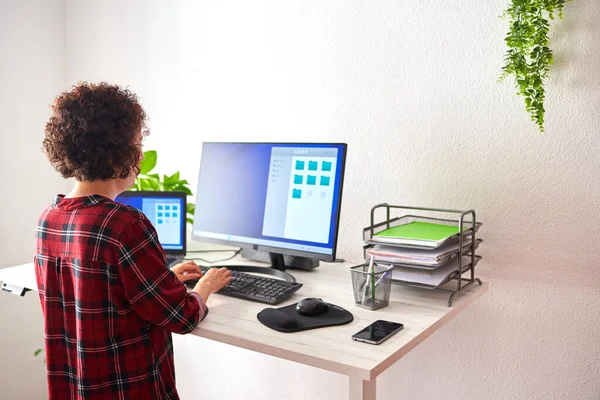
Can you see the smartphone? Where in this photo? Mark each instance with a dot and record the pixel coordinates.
(378, 332)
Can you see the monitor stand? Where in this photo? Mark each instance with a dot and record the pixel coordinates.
(279, 263)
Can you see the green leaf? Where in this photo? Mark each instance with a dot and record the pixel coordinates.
(173, 182)
(173, 178)
(168, 186)
(37, 352)
(149, 161)
(145, 184)
(149, 184)
(190, 208)
(156, 185)
(182, 188)
(153, 177)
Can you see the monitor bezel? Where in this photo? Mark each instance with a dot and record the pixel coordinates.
(282, 250)
(165, 194)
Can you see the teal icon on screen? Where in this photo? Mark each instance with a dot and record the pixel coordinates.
(298, 179)
(313, 165)
(311, 180)
(326, 166)
(324, 181)
(300, 165)
(297, 194)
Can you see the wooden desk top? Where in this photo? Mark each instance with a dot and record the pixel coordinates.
(233, 321)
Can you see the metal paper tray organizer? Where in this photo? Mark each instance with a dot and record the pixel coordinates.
(455, 281)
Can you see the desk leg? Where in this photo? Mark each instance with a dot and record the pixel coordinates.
(362, 390)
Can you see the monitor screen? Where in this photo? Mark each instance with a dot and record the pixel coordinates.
(165, 210)
(282, 198)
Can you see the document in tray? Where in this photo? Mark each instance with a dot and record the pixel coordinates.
(418, 233)
(434, 277)
(430, 258)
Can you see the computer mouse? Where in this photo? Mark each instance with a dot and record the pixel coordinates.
(311, 307)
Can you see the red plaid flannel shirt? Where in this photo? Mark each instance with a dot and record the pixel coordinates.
(109, 302)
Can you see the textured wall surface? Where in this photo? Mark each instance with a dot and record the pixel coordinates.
(411, 87)
(32, 72)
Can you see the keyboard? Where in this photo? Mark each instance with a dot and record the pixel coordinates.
(255, 288)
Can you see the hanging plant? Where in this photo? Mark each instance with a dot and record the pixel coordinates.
(528, 57)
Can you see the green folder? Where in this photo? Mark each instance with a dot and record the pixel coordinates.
(418, 234)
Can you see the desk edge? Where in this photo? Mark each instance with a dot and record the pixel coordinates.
(289, 355)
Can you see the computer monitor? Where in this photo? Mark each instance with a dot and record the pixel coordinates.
(280, 198)
(166, 211)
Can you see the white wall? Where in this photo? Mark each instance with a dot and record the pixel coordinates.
(32, 73)
(411, 86)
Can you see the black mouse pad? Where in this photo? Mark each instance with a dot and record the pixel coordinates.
(286, 319)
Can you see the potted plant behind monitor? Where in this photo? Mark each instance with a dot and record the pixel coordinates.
(148, 181)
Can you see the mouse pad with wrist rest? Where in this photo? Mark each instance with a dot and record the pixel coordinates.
(286, 319)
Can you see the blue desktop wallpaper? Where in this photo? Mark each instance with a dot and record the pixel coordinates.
(239, 185)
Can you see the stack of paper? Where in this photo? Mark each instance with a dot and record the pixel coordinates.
(417, 234)
(434, 277)
(419, 257)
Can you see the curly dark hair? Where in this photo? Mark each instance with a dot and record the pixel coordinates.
(94, 131)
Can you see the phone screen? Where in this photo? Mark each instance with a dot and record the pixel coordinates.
(378, 331)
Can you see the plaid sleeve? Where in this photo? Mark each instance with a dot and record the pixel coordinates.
(153, 290)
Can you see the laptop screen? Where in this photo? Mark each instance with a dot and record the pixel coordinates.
(165, 210)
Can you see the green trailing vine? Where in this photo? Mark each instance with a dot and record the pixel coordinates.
(528, 57)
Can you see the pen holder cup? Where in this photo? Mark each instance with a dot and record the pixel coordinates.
(371, 288)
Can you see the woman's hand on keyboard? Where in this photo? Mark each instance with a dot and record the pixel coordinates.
(187, 271)
(213, 280)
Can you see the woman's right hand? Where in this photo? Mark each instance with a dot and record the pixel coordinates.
(212, 281)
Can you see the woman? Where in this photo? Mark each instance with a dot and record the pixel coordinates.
(109, 302)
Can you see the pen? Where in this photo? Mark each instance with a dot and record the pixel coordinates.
(382, 277)
(366, 287)
(372, 280)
